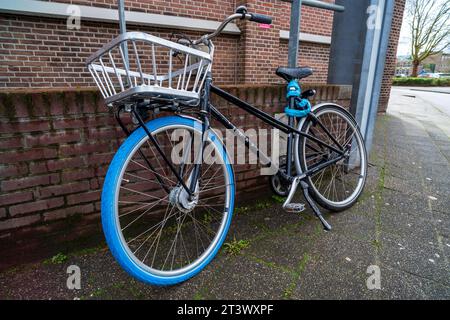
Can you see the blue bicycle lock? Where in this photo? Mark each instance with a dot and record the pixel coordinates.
(302, 106)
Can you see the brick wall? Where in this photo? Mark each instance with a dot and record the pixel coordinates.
(34, 56)
(313, 20)
(391, 56)
(41, 52)
(314, 55)
(55, 148)
(214, 9)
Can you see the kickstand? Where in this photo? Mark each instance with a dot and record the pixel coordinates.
(313, 206)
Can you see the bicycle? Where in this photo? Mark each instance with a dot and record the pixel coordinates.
(166, 210)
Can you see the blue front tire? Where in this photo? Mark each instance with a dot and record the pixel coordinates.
(111, 214)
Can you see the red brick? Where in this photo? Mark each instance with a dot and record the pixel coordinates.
(46, 139)
(70, 150)
(56, 165)
(101, 170)
(13, 170)
(67, 212)
(9, 185)
(83, 122)
(63, 189)
(19, 222)
(99, 158)
(70, 123)
(83, 197)
(36, 206)
(94, 184)
(25, 126)
(14, 198)
(2, 213)
(81, 174)
(11, 142)
(105, 133)
(33, 154)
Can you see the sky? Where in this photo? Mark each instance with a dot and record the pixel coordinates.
(404, 44)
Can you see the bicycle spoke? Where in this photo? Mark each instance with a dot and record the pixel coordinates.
(140, 216)
(164, 177)
(144, 179)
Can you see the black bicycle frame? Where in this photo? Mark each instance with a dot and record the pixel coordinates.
(269, 119)
(207, 109)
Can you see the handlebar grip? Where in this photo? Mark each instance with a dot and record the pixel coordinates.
(260, 18)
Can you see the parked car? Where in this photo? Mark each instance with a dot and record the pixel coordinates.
(443, 75)
(428, 75)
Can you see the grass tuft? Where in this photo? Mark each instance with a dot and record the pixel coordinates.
(236, 246)
(56, 259)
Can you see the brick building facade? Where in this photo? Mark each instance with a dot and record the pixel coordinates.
(41, 52)
(391, 56)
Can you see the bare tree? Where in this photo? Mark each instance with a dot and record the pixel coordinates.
(429, 22)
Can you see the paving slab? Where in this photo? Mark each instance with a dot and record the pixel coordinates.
(424, 259)
(397, 284)
(244, 278)
(359, 222)
(337, 269)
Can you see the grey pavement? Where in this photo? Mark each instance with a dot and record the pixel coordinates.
(436, 98)
(400, 224)
(445, 90)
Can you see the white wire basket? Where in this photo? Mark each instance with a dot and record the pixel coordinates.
(137, 65)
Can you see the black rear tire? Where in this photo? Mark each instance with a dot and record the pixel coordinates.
(334, 196)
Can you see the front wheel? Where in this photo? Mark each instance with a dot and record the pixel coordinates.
(155, 230)
(338, 186)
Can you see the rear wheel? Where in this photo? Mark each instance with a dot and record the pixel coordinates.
(338, 186)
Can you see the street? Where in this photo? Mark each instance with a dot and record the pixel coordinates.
(428, 104)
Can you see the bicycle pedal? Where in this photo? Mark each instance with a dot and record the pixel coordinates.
(294, 207)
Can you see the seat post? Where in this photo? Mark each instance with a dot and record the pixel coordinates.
(291, 122)
(292, 93)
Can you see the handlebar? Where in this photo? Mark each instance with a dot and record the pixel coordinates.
(260, 18)
(241, 13)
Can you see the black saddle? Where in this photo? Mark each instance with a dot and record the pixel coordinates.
(294, 73)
